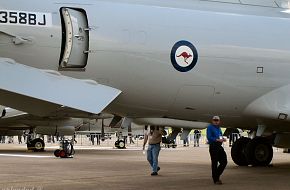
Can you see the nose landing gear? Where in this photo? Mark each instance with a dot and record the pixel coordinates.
(36, 145)
(120, 144)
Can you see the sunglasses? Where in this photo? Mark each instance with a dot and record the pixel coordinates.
(216, 120)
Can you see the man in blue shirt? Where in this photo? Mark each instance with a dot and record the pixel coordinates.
(217, 153)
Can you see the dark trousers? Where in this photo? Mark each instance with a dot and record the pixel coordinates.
(218, 160)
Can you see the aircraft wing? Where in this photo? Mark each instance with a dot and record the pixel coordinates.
(42, 93)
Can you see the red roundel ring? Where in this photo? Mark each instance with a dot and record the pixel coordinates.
(183, 56)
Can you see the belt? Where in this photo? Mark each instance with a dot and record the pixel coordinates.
(154, 144)
(216, 143)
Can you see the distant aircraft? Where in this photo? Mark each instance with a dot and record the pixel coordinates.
(15, 122)
(80, 58)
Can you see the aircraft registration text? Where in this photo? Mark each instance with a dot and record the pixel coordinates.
(10, 17)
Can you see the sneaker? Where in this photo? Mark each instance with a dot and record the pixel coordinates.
(158, 168)
(219, 182)
(154, 173)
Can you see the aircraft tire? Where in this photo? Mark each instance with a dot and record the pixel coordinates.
(238, 151)
(117, 144)
(122, 144)
(259, 152)
(38, 145)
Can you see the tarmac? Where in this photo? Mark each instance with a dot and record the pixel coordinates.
(107, 168)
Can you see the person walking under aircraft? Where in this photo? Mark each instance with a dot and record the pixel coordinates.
(19, 139)
(217, 153)
(154, 136)
(186, 142)
(196, 137)
(131, 140)
(92, 138)
(98, 137)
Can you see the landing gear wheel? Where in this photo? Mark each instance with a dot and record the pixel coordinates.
(120, 144)
(238, 151)
(259, 152)
(36, 145)
(56, 153)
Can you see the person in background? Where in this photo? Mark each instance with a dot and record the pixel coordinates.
(19, 139)
(196, 137)
(186, 141)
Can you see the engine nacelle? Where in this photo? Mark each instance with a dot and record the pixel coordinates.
(55, 130)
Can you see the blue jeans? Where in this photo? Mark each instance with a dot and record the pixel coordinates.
(152, 156)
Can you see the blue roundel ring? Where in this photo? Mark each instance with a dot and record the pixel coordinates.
(173, 58)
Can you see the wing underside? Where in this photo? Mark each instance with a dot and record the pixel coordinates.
(41, 92)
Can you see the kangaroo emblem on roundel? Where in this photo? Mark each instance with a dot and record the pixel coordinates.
(185, 56)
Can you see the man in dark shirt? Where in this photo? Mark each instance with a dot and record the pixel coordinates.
(217, 153)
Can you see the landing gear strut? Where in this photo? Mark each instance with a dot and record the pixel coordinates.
(33, 143)
(256, 152)
(66, 149)
(120, 143)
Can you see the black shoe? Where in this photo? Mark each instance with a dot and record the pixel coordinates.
(219, 182)
(154, 173)
(158, 168)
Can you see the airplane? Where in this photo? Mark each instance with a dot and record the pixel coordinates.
(158, 62)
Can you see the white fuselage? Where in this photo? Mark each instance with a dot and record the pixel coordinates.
(243, 53)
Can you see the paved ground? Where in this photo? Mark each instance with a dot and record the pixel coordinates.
(107, 168)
